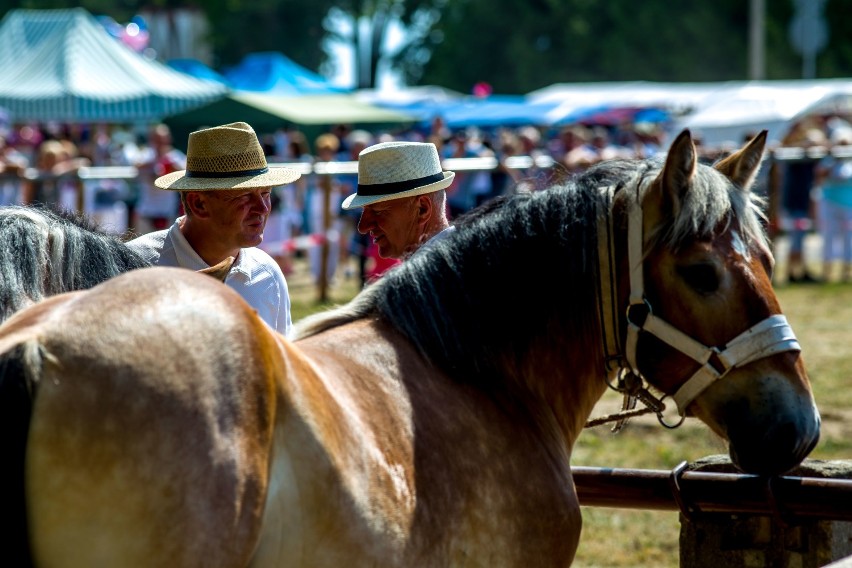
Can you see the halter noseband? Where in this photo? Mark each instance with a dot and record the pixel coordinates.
(768, 337)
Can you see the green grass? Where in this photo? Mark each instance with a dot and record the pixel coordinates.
(821, 316)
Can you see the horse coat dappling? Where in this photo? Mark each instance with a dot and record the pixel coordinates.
(430, 422)
(45, 252)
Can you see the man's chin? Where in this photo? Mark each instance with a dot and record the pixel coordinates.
(385, 252)
(252, 240)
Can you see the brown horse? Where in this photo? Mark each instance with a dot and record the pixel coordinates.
(430, 422)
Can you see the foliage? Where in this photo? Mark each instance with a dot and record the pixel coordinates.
(516, 47)
(585, 40)
(369, 22)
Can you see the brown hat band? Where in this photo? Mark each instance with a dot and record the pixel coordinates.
(398, 186)
(239, 173)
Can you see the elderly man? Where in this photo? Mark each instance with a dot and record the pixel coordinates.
(401, 189)
(225, 192)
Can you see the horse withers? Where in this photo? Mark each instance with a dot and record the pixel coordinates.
(430, 422)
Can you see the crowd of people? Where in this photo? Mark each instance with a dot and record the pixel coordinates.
(806, 194)
(809, 190)
(308, 212)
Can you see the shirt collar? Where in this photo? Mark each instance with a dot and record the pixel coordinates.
(188, 258)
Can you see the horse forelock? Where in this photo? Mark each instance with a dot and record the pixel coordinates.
(711, 205)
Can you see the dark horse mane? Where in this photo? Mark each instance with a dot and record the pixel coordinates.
(473, 302)
(45, 252)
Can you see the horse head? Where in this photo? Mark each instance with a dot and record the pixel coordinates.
(709, 329)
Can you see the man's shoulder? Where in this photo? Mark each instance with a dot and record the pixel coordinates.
(259, 259)
(150, 244)
(260, 266)
(149, 239)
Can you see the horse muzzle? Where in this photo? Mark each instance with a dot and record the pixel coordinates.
(775, 447)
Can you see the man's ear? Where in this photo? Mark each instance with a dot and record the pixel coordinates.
(196, 201)
(424, 207)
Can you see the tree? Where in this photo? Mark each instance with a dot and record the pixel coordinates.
(520, 47)
(364, 25)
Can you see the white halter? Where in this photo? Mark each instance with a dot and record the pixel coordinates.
(770, 336)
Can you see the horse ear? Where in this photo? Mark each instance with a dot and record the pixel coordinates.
(741, 167)
(678, 170)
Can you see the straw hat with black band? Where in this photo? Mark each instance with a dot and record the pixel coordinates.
(392, 170)
(225, 157)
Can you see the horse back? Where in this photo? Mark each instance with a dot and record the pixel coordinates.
(151, 422)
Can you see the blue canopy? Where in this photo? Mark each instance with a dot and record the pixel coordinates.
(197, 69)
(276, 74)
(488, 112)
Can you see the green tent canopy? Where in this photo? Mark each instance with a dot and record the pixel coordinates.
(267, 113)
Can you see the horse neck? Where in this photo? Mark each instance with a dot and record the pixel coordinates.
(511, 309)
(565, 382)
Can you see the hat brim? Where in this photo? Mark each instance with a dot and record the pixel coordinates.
(178, 181)
(354, 201)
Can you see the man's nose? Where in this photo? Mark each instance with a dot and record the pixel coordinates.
(262, 203)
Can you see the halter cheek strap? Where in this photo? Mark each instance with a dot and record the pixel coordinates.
(768, 337)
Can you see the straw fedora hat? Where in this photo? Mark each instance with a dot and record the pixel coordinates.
(392, 170)
(225, 157)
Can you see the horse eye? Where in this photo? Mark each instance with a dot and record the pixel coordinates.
(701, 277)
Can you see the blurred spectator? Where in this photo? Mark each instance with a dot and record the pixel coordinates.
(647, 139)
(459, 195)
(286, 201)
(324, 222)
(358, 243)
(603, 147)
(156, 209)
(481, 188)
(578, 153)
(503, 178)
(292, 199)
(54, 186)
(535, 177)
(795, 206)
(834, 180)
(12, 166)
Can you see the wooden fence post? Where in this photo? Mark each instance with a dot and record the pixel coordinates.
(714, 540)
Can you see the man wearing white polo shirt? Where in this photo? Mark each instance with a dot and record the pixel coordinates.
(225, 192)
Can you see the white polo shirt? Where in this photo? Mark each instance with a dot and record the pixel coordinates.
(254, 275)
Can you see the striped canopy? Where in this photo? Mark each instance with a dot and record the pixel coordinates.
(62, 65)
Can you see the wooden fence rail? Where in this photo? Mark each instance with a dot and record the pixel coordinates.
(693, 492)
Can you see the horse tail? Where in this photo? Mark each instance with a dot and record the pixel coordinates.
(19, 368)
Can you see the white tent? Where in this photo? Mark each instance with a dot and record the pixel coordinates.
(673, 97)
(770, 105)
(62, 65)
(718, 113)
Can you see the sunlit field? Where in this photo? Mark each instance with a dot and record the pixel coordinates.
(820, 314)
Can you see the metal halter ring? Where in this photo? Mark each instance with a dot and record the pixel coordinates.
(662, 420)
(633, 307)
